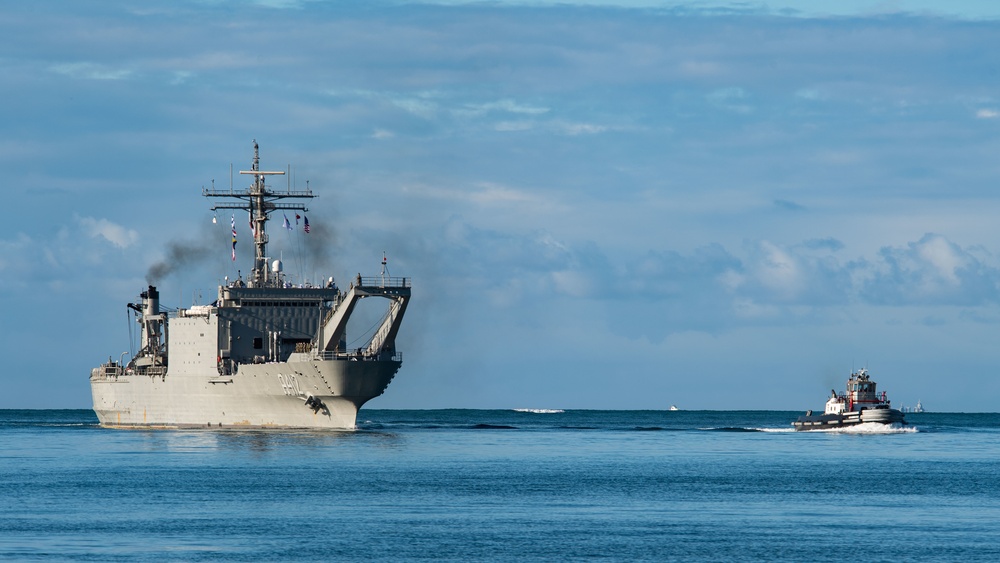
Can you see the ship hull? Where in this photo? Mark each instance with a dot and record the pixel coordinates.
(316, 394)
(848, 419)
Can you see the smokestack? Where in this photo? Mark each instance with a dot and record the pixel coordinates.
(150, 302)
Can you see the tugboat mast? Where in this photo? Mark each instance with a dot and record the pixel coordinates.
(259, 201)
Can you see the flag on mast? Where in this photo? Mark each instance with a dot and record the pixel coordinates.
(297, 217)
(286, 224)
(306, 223)
(233, 223)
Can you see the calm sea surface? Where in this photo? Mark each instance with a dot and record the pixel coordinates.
(465, 485)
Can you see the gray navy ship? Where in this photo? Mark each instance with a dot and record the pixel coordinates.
(266, 354)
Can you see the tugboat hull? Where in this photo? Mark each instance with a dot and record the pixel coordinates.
(844, 420)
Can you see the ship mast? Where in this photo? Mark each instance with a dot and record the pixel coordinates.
(259, 201)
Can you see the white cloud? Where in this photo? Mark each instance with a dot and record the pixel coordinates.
(418, 107)
(733, 99)
(582, 129)
(15, 253)
(932, 270)
(811, 94)
(111, 232)
(487, 193)
(767, 278)
(701, 68)
(942, 256)
(180, 77)
(90, 71)
(778, 270)
(280, 4)
(987, 114)
(214, 61)
(481, 194)
(727, 94)
(514, 125)
(506, 105)
(574, 283)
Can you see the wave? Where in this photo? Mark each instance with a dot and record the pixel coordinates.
(540, 411)
(494, 427)
(22, 424)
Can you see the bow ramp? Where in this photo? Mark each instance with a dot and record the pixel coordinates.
(396, 290)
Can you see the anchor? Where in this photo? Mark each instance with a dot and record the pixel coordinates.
(314, 403)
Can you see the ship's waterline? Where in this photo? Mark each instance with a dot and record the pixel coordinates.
(268, 353)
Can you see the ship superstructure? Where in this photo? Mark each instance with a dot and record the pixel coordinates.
(266, 353)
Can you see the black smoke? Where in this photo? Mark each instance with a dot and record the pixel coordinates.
(318, 246)
(179, 255)
(314, 251)
(212, 241)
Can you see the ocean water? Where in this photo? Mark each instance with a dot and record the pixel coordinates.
(474, 485)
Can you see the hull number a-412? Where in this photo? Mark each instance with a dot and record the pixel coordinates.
(290, 385)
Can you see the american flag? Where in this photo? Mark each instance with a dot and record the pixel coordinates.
(233, 223)
(305, 221)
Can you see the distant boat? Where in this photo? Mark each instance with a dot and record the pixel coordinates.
(674, 408)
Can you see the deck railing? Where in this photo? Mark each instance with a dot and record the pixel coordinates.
(397, 357)
(114, 371)
(382, 281)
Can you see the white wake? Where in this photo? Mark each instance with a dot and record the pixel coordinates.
(871, 428)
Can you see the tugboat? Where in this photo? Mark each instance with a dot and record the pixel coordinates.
(860, 404)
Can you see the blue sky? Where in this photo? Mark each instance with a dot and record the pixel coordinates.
(717, 205)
